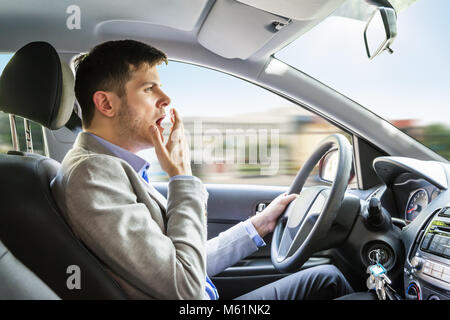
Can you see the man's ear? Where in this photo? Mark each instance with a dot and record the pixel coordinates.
(105, 103)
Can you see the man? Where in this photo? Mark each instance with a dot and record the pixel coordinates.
(155, 248)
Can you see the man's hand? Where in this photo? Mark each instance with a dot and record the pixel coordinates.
(174, 157)
(265, 221)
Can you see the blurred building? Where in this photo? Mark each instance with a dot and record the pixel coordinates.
(411, 127)
(262, 147)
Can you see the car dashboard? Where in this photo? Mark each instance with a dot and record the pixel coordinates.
(412, 195)
(416, 195)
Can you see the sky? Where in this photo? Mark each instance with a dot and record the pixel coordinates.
(412, 83)
(200, 91)
(4, 58)
(197, 91)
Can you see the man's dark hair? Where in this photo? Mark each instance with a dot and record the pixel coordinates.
(108, 67)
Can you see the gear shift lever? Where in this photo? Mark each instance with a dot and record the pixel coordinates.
(375, 216)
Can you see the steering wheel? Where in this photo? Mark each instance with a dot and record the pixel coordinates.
(307, 220)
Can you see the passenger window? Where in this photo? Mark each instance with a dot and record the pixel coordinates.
(36, 136)
(239, 133)
(5, 131)
(6, 139)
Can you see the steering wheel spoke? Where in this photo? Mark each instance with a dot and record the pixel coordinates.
(285, 244)
(301, 217)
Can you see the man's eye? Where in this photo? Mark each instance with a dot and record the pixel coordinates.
(149, 88)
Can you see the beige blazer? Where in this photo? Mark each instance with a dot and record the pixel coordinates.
(155, 248)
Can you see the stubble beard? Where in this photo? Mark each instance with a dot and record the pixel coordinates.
(130, 127)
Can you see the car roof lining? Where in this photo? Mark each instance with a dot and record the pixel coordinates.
(156, 20)
(296, 9)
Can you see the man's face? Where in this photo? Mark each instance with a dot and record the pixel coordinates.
(142, 106)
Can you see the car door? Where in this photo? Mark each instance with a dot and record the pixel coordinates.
(246, 145)
(229, 205)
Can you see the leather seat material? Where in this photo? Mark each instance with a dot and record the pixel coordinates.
(38, 86)
(17, 282)
(32, 227)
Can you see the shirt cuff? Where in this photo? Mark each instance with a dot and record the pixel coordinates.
(250, 228)
(181, 177)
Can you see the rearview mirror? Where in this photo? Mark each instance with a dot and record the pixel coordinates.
(328, 166)
(380, 31)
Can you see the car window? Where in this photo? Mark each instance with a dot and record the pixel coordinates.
(239, 133)
(5, 131)
(409, 88)
(6, 140)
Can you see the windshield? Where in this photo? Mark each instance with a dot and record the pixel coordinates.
(410, 88)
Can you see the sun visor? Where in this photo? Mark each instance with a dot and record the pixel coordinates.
(296, 9)
(234, 30)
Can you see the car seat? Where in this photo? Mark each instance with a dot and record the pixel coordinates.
(38, 86)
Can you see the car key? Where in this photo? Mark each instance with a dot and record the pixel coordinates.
(370, 283)
(381, 283)
(377, 280)
(375, 256)
(379, 288)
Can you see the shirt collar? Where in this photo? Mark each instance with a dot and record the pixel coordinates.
(133, 160)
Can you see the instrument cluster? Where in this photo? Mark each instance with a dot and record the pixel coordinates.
(413, 195)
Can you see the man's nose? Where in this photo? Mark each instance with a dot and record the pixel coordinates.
(163, 101)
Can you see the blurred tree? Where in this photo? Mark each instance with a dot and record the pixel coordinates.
(437, 138)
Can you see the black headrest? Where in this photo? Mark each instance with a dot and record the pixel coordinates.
(37, 85)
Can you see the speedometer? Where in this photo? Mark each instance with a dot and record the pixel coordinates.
(417, 202)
